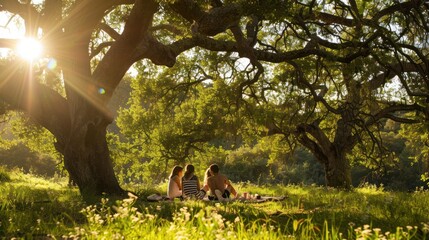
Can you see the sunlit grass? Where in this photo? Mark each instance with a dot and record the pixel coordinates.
(4, 175)
(32, 207)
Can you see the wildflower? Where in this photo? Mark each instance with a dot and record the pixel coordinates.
(219, 236)
(134, 219)
(425, 227)
(104, 201)
(131, 195)
(366, 232)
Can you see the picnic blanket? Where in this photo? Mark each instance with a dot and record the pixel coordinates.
(261, 199)
(159, 198)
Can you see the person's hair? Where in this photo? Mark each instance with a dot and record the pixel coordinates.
(175, 171)
(207, 175)
(214, 168)
(190, 169)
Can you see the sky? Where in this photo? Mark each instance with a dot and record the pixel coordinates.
(12, 30)
(9, 29)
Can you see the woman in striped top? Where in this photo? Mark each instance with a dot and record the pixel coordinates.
(190, 182)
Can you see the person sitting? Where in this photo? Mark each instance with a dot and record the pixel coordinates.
(219, 185)
(190, 183)
(174, 185)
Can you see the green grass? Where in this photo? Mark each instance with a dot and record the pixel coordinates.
(32, 207)
(4, 175)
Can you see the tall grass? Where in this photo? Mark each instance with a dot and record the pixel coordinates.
(4, 175)
(32, 207)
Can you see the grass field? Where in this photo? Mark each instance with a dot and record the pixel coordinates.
(35, 208)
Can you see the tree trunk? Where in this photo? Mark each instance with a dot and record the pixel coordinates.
(337, 169)
(81, 136)
(87, 159)
(331, 154)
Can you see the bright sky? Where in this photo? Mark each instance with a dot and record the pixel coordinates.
(9, 29)
(13, 30)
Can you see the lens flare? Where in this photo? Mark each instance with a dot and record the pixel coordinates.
(52, 64)
(29, 49)
(101, 91)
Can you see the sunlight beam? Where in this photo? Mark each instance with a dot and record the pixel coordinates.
(29, 49)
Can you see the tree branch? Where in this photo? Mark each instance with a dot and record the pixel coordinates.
(394, 70)
(404, 7)
(112, 32)
(167, 27)
(216, 20)
(26, 11)
(51, 14)
(8, 43)
(41, 103)
(402, 120)
(318, 98)
(387, 112)
(99, 48)
(315, 148)
(122, 52)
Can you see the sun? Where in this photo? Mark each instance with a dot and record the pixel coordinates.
(29, 49)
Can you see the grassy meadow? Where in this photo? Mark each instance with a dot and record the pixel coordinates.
(36, 208)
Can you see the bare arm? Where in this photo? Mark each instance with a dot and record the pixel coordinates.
(177, 180)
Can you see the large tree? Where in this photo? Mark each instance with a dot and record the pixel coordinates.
(95, 42)
(353, 95)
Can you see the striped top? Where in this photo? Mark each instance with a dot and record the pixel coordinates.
(190, 186)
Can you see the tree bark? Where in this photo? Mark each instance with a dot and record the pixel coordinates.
(87, 159)
(81, 136)
(333, 155)
(337, 170)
